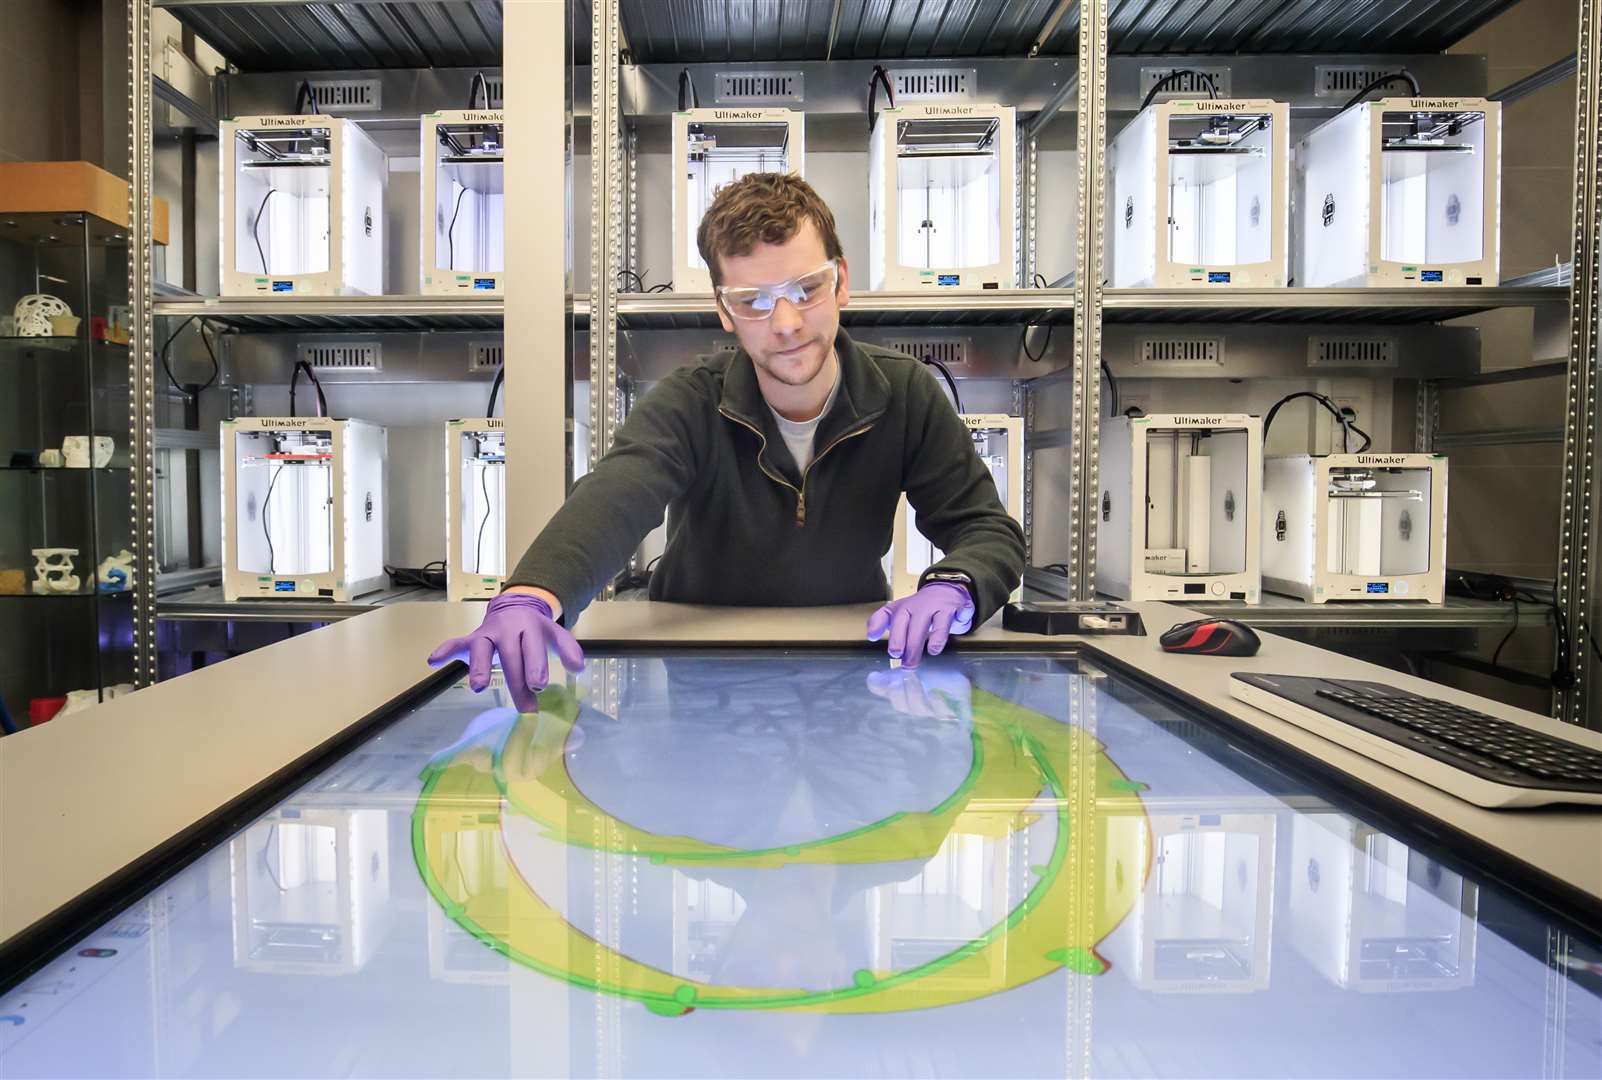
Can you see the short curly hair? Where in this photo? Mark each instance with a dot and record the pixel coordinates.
(767, 208)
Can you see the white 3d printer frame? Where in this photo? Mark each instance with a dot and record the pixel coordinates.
(911, 553)
(1355, 527)
(301, 207)
(324, 534)
(961, 159)
(1401, 192)
(463, 191)
(475, 498)
(753, 141)
(1201, 500)
(1198, 196)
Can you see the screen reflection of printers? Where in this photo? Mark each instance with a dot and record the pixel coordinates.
(1371, 914)
(1205, 919)
(310, 889)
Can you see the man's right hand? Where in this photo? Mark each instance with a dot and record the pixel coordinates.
(521, 628)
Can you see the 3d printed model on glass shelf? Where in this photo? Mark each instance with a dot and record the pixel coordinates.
(713, 148)
(463, 186)
(303, 507)
(1179, 507)
(941, 185)
(1370, 914)
(475, 495)
(302, 207)
(1401, 191)
(998, 439)
(1197, 195)
(1205, 921)
(1354, 526)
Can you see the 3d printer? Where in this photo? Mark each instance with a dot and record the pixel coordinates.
(1401, 191)
(302, 207)
(1179, 507)
(464, 202)
(1355, 527)
(941, 186)
(303, 507)
(1198, 194)
(998, 439)
(475, 492)
(712, 148)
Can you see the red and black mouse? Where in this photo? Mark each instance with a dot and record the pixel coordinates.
(1211, 637)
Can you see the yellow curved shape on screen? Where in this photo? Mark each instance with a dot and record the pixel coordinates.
(1026, 765)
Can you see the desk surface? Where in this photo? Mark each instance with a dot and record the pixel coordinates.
(731, 858)
(102, 787)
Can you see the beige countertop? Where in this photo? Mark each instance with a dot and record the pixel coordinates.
(83, 799)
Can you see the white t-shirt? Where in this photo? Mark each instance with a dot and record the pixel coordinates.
(800, 438)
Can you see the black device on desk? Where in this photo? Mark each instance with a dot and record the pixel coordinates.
(1070, 617)
(1476, 757)
(1211, 637)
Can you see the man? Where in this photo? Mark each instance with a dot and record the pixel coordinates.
(780, 467)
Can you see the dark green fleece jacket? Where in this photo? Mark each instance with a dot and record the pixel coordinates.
(745, 527)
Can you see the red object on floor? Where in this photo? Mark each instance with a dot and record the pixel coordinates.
(41, 709)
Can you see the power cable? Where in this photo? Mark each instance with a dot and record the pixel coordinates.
(255, 228)
(1375, 84)
(1175, 76)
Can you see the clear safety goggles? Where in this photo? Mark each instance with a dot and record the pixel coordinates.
(758, 301)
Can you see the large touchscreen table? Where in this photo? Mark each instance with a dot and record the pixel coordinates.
(808, 864)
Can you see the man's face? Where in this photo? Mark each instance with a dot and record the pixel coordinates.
(791, 345)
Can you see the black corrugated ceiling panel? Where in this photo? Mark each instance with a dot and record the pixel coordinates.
(1273, 26)
(334, 36)
(702, 31)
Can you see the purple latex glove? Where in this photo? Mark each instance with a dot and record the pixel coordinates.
(926, 618)
(519, 627)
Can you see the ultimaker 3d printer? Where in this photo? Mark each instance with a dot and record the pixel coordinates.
(303, 503)
(464, 203)
(941, 183)
(302, 207)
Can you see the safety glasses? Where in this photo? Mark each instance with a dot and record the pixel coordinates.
(757, 302)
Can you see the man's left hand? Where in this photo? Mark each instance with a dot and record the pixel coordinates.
(927, 618)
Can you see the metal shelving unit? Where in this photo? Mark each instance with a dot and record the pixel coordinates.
(417, 50)
(1272, 48)
(335, 314)
(206, 604)
(1287, 613)
(1087, 58)
(1039, 307)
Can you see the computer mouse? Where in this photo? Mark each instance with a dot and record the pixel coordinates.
(1211, 637)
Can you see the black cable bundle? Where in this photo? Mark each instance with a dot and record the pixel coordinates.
(1175, 76)
(495, 388)
(1500, 588)
(1342, 417)
(430, 575)
(166, 353)
(294, 380)
(1402, 73)
(879, 78)
(956, 395)
(688, 97)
